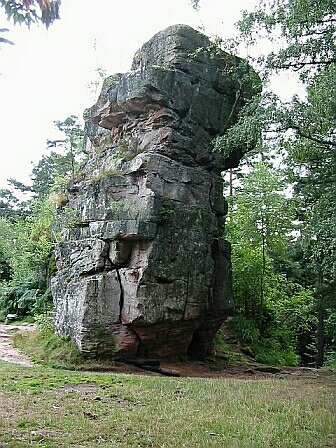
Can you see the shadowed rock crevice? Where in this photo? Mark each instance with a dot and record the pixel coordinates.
(121, 298)
(147, 274)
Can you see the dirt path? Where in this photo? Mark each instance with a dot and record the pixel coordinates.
(7, 351)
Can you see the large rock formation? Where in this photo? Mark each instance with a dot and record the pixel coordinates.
(142, 268)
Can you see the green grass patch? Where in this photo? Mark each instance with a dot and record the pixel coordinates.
(45, 348)
(49, 407)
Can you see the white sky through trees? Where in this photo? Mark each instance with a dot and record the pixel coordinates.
(48, 74)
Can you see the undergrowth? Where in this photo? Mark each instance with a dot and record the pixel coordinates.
(44, 347)
(222, 346)
(274, 349)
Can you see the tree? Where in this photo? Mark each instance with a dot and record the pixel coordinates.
(312, 157)
(26, 247)
(268, 295)
(73, 142)
(28, 228)
(258, 226)
(306, 28)
(55, 168)
(305, 128)
(31, 11)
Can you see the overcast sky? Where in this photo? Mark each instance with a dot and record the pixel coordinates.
(48, 75)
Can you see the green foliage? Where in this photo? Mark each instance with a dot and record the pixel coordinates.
(282, 310)
(43, 302)
(303, 130)
(29, 229)
(245, 330)
(257, 227)
(68, 217)
(24, 298)
(5, 269)
(306, 27)
(44, 323)
(245, 135)
(110, 82)
(50, 171)
(31, 11)
(330, 361)
(272, 352)
(71, 145)
(116, 206)
(275, 349)
(260, 212)
(27, 243)
(223, 347)
(128, 148)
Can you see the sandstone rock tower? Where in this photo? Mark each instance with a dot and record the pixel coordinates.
(142, 269)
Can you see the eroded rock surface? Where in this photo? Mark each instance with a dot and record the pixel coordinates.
(142, 268)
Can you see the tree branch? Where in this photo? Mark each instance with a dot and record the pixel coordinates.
(300, 65)
(312, 138)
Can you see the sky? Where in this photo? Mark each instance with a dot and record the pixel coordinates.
(51, 74)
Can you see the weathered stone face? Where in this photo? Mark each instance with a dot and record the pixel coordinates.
(143, 272)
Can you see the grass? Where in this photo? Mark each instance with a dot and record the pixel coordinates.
(44, 407)
(45, 348)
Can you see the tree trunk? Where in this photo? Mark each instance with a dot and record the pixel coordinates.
(231, 181)
(320, 323)
(320, 336)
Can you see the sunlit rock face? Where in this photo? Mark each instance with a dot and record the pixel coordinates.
(142, 269)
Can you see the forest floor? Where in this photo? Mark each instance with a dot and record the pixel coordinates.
(210, 367)
(212, 405)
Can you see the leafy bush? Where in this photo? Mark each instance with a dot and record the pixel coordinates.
(43, 302)
(245, 330)
(330, 360)
(24, 298)
(270, 351)
(44, 323)
(277, 349)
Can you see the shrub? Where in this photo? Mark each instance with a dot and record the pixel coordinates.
(24, 298)
(270, 351)
(277, 349)
(245, 330)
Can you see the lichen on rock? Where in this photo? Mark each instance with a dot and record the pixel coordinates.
(146, 273)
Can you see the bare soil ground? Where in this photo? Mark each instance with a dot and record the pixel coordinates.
(7, 351)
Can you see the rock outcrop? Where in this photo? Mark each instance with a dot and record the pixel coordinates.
(142, 268)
